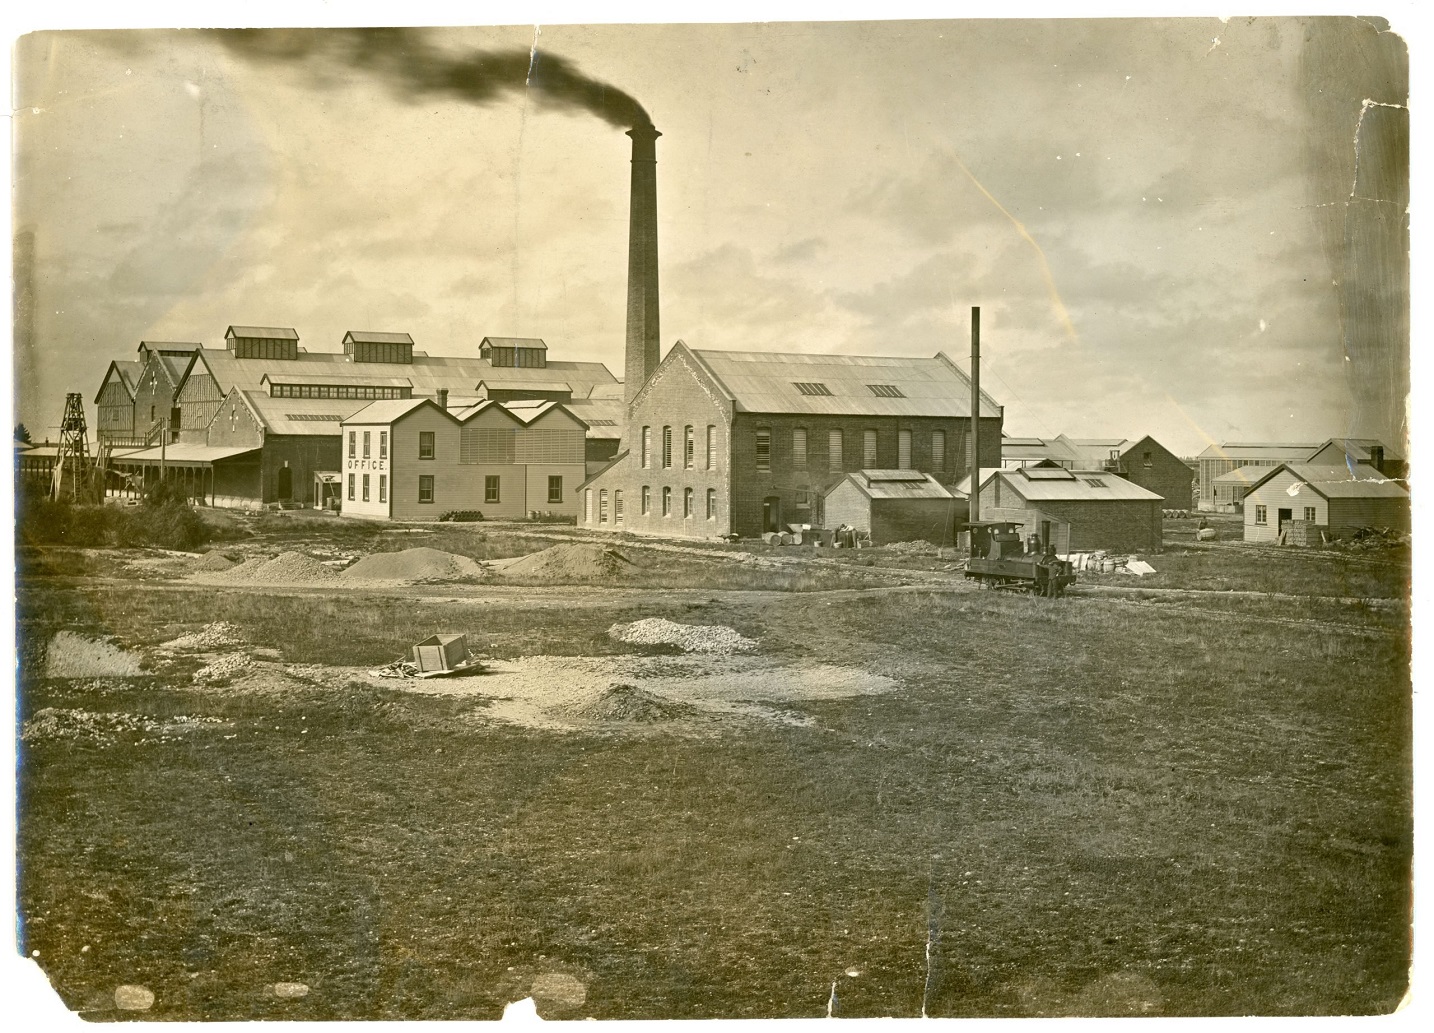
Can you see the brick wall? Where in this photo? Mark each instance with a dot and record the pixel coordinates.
(1166, 475)
(1115, 524)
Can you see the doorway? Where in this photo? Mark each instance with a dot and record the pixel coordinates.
(772, 513)
(286, 484)
(1284, 516)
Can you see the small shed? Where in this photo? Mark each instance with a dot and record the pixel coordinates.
(1330, 499)
(440, 653)
(895, 506)
(1050, 529)
(1102, 510)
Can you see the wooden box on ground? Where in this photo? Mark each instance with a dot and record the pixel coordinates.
(440, 653)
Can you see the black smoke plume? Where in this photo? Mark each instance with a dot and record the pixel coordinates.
(415, 67)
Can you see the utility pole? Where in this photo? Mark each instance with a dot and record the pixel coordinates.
(974, 512)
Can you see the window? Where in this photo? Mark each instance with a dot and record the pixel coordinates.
(868, 449)
(646, 500)
(365, 487)
(812, 388)
(885, 390)
(588, 506)
(646, 447)
(366, 436)
(602, 506)
(689, 448)
(687, 503)
(383, 444)
(903, 450)
(351, 487)
(938, 450)
(425, 488)
(617, 506)
(799, 446)
(834, 443)
(764, 449)
(1309, 514)
(383, 487)
(425, 444)
(1147, 460)
(711, 503)
(711, 447)
(666, 501)
(555, 489)
(1262, 515)
(490, 488)
(353, 441)
(667, 448)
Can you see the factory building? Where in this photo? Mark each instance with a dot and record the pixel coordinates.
(1227, 495)
(414, 459)
(1103, 511)
(1143, 461)
(726, 442)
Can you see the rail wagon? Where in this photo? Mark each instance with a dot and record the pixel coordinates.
(1000, 558)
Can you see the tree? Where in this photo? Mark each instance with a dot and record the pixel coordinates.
(22, 433)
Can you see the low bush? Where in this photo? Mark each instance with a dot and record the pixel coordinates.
(165, 519)
(462, 516)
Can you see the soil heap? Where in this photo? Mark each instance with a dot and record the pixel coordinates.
(412, 566)
(628, 703)
(214, 561)
(692, 638)
(75, 656)
(563, 563)
(287, 568)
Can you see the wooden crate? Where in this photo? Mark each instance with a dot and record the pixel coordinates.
(440, 653)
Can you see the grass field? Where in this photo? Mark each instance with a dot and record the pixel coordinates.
(1097, 806)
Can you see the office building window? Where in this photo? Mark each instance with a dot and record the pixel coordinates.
(799, 446)
(868, 449)
(646, 500)
(689, 448)
(425, 444)
(938, 450)
(646, 447)
(903, 450)
(490, 489)
(425, 488)
(711, 503)
(555, 489)
(353, 441)
(711, 447)
(666, 501)
(351, 487)
(667, 448)
(764, 449)
(365, 487)
(687, 503)
(834, 443)
(366, 436)
(383, 487)
(383, 444)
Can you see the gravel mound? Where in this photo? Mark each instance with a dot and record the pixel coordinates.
(572, 563)
(222, 668)
(691, 638)
(211, 636)
(920, 547)
(75, 656)
(628, 703)
(214, 561)
(287, 568)
(415, 565)
(57, 724)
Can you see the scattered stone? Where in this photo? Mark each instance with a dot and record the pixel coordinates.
(220, 633)
(691, 638)
(290, 991)
(559, 988)
(131, 997)
(626, 703)
(75, 656)
(222, 667)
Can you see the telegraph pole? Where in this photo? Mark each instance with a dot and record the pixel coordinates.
(974, 512)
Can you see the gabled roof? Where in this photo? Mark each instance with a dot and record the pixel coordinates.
(375, 337)
(843, 385)
(1241, 450)
(286, 333)
(515, 342)
(1336, 482)
(894, 484)
(387, 410)
(524, 385)
(1243, 475)
(1039, 448)
(531, 411)
(1063, 485)
(620, 457)
(169, 346)
(1356, 448)
(127, 370)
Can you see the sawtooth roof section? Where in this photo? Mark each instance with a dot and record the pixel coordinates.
(376, 337)
(273, 333)
(766, 382)
(1335, 482)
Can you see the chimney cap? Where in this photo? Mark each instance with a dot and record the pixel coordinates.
(647, 130)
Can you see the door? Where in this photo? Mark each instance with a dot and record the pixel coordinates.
(772, 513)
(1284, 516)
(286, 483)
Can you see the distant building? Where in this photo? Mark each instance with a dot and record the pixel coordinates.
(413, 459)
(895, 506)
(1230, 489)
(1103, 511)
(1143, 461)
(1218, 460)
(742, 442)
(1307, 499)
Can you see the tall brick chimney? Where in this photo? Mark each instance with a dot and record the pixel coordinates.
(643, 338)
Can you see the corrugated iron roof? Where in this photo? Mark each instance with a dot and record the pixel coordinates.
(603, 416)
(385, 411)
(1335, 482)
(766, 382)
(377, 337)
(336, 380)
(1284, 450)
(1084, 485)
(1243, 475)
(1356, 448)
(273, 333)
(526, 385)
(187, 452)
(278, 414)
(894, 484)
(515, 342)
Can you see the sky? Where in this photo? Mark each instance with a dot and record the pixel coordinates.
(1191, 228)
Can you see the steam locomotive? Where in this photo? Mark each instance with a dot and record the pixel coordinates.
(1000, 558)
